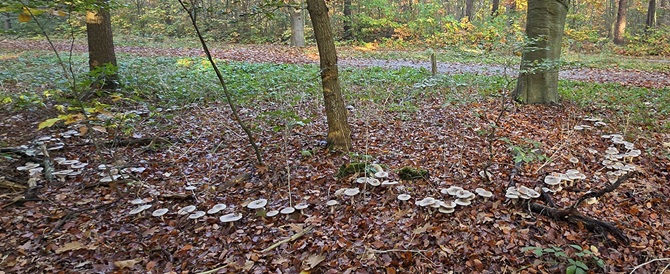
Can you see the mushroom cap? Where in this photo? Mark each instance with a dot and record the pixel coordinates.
(79, 165)
(485, 193)
(450, 204)
(611, 150)
(404, 197)
(552, 180)
(452, 190)
(216, 208)
(373, 182)
(573, 160)
(186, 210)
(138, 201)
(271, 213)
(463, 202)
(190, 187)
(572, 171)
(196, 215)
(260, 203)
(446, 210)
(139, 209)
(389, 183)
(381, 175)
(301, 206)
(287, 210)
(352, 191)
(512, 195)
(425, 201)
(362, 180)
(592, 200)
(332, 202)
(464, 194)
(230, 217)
(159, 212)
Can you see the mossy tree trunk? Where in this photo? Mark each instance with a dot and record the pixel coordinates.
(339, 133)
(538, 79)
(101, 46)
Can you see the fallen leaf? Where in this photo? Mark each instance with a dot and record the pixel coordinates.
(127, 263)
(312, 261)
(70, 246)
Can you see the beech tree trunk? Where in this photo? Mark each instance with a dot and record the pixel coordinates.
(101, 46)
(494, 7)
(651, 15)
(8, 21)
(620, 26)
(297, 27)
(339, 133)
(468, 9)
(348, 20)
(538, 79)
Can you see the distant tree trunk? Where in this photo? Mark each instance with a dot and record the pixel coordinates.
(8, 21)
(538, 79)
(297, 27)
(339, 133)
(101, 46)
(620, 27)
(348, 20)
(651, 15)
(468, 9)
(494, 7)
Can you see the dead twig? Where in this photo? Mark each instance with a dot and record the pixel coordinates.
(289, 239)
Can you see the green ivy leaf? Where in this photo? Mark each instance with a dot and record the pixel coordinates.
(571, 269)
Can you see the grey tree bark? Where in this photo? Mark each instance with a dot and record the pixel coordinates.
(538, 80)
(651, 15)
(339, 132)
(297, 26)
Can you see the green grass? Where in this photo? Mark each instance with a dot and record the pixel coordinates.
(33, 80)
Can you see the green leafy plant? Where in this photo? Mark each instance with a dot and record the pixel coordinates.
(576, 263)
(527, 153)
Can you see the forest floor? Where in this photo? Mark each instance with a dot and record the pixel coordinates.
(196, 155)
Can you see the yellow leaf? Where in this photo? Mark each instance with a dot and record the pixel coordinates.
(48, 123)
(60, 108)
(116, 97)
(24, 17)
(73, 118)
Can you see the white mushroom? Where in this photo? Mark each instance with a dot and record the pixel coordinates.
(287, 210)
(404, 197)
(216, 208)
(352, 191)
(196, 215)
(139, 209)
(381, 175)
(186, 210)
(137, 201)
(463, 202)
(229, 218)
(272, 213)
(301, 206)
(452, 190)
(425, 201)
(332, 204)
(257, 204)
(159, 212)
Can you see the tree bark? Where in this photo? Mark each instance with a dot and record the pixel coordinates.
(297, 26)
(468, 9)
(339, 133)
(494, 7)
(651, 15)
(538, 79)
(101, 46)
(620, 27)
(8, 21)
(348, 20)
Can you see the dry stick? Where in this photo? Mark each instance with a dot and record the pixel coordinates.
(292, 238)
(229, 99)
(654, 260)
(603, 191)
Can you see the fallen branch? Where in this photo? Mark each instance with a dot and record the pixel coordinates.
(603, 191)
(5, 183)
(654, 260)
(292, 238)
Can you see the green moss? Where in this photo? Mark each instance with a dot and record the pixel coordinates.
(410, 173)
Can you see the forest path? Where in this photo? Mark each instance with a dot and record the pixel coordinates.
(290, 55)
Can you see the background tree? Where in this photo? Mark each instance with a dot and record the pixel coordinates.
(101, 56)
(297, 25)
(651, 15)
(620, 26)
(538, 79)
(339, 133)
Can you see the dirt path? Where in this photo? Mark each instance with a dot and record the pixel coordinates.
(289, 55)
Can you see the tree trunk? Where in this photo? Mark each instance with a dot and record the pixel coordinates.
(494, 7)
(538, 79)
(468, 9)
(348, 20)
(620, 27)
(651, 15)
(297, 27)
(8, 21)
(339, 133)
(101, 47)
